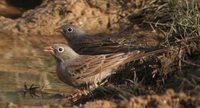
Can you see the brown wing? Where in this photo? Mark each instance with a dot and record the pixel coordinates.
(99, 45)
(87, 66)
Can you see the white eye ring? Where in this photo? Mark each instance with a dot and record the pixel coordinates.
(61, 49)
(70, 29)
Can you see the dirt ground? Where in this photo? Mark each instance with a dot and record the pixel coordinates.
(170, 79)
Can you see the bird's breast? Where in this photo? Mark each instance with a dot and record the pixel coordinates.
(62, 73)
(65, 75)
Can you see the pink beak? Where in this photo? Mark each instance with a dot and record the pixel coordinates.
(49, 49)
(57, 30)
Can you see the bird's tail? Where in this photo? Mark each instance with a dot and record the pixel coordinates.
(136, 55)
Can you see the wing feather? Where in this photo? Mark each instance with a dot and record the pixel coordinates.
(86, 66)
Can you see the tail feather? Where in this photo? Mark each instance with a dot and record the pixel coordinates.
(140, 54)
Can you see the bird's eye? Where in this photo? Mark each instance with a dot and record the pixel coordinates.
(70, 29)
(60, 50)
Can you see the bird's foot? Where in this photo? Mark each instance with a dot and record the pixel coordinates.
(33, 90)
(77, 95)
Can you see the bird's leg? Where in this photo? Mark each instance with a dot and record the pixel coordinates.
(103, 82)
(77, 95)
(80, 92)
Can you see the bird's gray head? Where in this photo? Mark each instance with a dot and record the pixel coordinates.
(71, 32)
(61, 52)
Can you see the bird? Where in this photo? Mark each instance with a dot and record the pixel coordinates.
(87, 71)
(83, 43)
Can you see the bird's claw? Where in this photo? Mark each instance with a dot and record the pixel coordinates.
(32, 90)
(77, 95)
